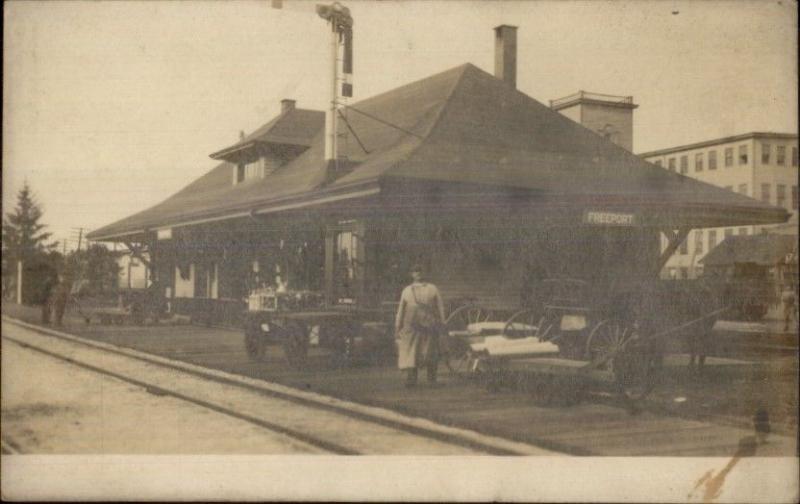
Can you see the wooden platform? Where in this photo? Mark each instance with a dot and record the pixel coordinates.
(556, 366)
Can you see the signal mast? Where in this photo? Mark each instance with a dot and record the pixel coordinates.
(341, 78)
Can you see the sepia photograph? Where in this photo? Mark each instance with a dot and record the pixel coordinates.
(384, 250)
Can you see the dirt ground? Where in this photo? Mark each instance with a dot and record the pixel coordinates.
(63, 409)
(726, 396)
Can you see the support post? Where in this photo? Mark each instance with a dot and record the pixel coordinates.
(136, 251)
(674, 240)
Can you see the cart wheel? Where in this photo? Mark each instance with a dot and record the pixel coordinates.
(458, 356)
(254, 345)
(607, 340)
(635, 373)
(344, 342)
(521, 324)
(295, 344)
(545, 328)
(465, 315)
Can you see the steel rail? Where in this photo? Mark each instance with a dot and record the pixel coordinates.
(479, 442)
(158, 390)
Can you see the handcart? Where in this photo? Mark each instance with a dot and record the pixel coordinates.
(299, 320)
(557, 349)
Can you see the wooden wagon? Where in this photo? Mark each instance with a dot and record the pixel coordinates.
(619, 339)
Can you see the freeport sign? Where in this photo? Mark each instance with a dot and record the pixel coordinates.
(602, 218)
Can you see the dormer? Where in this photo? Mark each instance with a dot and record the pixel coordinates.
(272, 145)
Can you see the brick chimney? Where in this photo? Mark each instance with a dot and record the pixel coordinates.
(287, 105)
(505, 54)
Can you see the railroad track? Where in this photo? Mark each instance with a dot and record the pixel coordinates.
(326, 424)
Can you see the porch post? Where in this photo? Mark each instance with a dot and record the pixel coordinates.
(674, 240)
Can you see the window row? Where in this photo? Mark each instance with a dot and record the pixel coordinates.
(698, 237)
(780, 154)
(681, 163)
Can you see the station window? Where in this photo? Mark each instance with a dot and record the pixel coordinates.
(684, 273)
(794, 156)
(765, 193)
(794, 197)
(743, 189)
(698, 241)
(780, 155)
(346, 262)
(712, 160)
(239, 174)
(742, 231)
(657, 162)
(712, 239)
(728, 233)
(253, 170)
(684, 164)
(729, 188)
(765, 153)
(698, 162)
(671, 164)
(780, 195)
(742, 154)
(728, 156)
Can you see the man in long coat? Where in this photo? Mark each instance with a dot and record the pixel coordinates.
(418, 347)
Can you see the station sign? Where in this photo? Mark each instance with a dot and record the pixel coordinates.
(603, 218)
(164, 234)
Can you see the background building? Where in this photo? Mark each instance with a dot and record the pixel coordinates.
(763, 166)
(609, 116)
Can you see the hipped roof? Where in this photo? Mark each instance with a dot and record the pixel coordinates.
(460, 126)
(763, 249)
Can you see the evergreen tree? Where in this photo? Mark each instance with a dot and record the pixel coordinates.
(25, 238)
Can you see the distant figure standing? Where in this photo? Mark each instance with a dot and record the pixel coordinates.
(419, 320)
(60, 297)
(48, 291)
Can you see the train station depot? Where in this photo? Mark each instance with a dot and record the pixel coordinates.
(488, 187)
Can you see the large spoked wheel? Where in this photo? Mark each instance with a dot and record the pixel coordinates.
(459, 357)
(295, 344)
(546, 328)
(464, 316)
(635, 373)
(255, 347)
(455, 349)
(344, 342)
(606, 341)
(522, 324)
(255, 344)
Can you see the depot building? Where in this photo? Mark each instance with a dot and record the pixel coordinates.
(489, 188)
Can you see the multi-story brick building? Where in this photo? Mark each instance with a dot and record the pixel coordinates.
(760, 165)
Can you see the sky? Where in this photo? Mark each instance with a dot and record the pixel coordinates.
(110, 107)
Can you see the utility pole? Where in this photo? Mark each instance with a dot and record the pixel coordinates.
(19, 281)
(80, 236)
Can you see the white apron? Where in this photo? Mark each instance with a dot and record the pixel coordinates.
(417, 348)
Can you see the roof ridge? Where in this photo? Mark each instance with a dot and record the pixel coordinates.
(440, 113)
